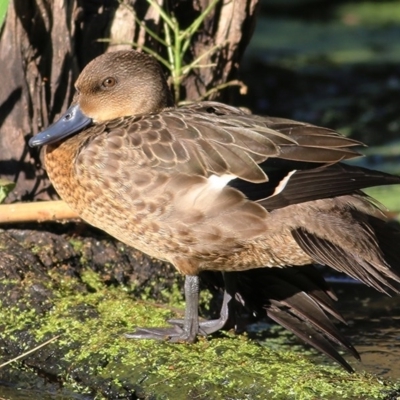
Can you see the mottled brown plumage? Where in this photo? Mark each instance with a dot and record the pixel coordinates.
(208, 186)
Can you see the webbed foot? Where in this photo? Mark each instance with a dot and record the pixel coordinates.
(186, 330)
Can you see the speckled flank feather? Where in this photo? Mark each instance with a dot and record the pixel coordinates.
(210, 187)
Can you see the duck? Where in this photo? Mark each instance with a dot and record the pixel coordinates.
(211, 188)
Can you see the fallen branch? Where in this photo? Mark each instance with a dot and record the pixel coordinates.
(35, 212)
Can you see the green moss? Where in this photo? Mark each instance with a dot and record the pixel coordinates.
(92, 327)
(92, 280)
(76, 244)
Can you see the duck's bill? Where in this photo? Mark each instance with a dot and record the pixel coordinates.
(72, 121)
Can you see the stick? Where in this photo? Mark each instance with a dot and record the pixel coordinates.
(35, 212)
(30, 351)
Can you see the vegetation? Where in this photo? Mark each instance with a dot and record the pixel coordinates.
(3, 11)
(226, 367)
(5, 188)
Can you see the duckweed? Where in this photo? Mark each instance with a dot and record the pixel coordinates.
(92, 326)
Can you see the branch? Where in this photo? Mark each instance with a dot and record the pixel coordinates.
(35, 212)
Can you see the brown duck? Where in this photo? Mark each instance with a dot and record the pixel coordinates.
(209, 187)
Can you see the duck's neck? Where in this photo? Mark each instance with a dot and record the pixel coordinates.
(60, 161)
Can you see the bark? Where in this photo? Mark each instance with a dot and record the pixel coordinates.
(45, 43)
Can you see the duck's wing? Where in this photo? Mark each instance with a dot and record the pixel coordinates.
(213, 139)
(293, 186)
(305, 170)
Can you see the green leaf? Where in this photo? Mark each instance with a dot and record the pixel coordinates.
(5, 187)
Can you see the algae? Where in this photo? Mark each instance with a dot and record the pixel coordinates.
(92, 323)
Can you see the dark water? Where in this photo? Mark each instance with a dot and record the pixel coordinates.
(374, 328)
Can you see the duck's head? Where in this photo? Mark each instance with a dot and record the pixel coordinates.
(113, 85)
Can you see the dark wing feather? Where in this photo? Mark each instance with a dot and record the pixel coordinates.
(323, 251)
(305, 308)
(285, 187)
(388, 236)
(309, 335)
(297, 298)
(312, 282)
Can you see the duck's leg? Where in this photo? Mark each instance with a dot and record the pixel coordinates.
(227, 318)
(182, 332)
(227, 315)
(190, 325)
(187, 329)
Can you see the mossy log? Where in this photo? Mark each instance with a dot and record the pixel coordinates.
(88, 290)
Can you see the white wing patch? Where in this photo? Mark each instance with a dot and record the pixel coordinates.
(204, 193)
(219, 182)
(282, 184)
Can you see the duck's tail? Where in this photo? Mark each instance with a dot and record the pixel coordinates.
(299, 299)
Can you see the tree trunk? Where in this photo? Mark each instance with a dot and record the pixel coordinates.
(45, 43)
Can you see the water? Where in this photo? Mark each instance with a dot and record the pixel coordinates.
(374, 328)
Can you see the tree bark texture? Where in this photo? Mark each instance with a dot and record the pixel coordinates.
(44, 44)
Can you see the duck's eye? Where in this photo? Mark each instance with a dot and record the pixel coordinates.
(109, 82)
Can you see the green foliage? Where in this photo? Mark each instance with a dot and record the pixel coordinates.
(372, 13)
(5, 188)
(388, 196)
(357, 32)
(177, 42)
(92, 325)
(3, 11)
